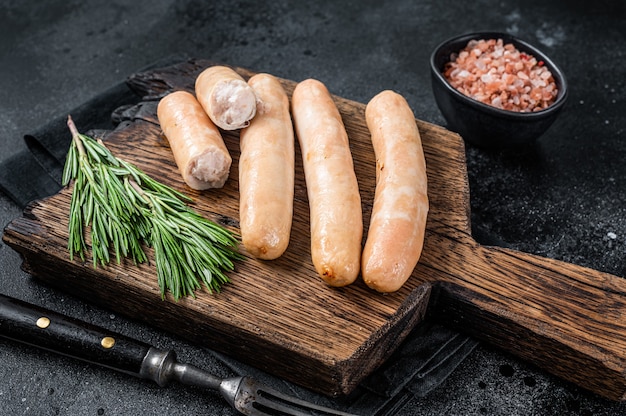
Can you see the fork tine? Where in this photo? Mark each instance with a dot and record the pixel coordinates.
(275, 403)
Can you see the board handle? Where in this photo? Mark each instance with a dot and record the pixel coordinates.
(33, 325)
(567, 319)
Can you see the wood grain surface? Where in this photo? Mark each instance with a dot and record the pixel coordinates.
(279, 315)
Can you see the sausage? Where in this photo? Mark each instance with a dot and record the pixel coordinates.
(197, 145)
(266, 172)
(227, 99)
(332, 188)
(396, 232)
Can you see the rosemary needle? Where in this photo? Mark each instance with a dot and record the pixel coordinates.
(127, 209)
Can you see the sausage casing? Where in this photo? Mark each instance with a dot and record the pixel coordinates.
(266, 172)
(199, 150)
(227, 99)
(332, 188)
(395, 236)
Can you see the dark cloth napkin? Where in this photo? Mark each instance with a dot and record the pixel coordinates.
(35, 172)
(429, 354)
(426, 358)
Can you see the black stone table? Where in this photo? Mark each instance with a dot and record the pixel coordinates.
(564, 198)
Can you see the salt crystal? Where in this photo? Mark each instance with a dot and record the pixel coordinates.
(611, 235)
(497, 102)
(538, 83)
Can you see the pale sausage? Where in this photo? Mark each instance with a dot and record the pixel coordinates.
(396, 232)
(198, 148)
(227, 99)
(266, 172)
(332, 188)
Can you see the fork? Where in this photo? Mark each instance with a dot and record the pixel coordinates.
(34, 325)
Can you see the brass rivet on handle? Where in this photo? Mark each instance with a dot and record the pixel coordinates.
(107, 342)
(43, 322)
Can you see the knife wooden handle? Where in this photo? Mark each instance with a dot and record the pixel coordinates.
(52, 331)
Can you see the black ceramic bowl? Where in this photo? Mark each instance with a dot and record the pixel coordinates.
(481, 124)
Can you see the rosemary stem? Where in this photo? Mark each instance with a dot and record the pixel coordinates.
(141, 193)
(137, 188)
(76, 136)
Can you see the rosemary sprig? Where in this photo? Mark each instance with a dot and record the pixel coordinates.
(126, 209)
(99, 200)
(189, 249)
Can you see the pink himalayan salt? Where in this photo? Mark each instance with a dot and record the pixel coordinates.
(499, 75)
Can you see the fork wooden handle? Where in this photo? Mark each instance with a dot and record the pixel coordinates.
(55, 332)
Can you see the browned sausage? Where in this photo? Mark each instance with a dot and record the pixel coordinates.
(227, 99)
(197, 145)
(332, 188)
(266, 172)
(396, 233)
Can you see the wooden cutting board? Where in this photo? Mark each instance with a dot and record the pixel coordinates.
(279, 316)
